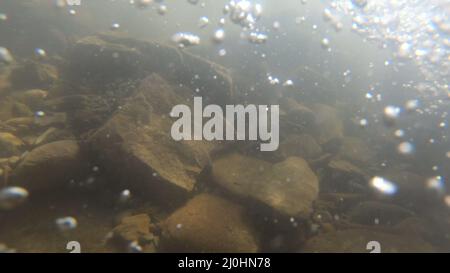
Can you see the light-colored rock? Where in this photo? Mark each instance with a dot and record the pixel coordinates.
(288, 187)
(9, 144)
(136, 228)
(208, 223)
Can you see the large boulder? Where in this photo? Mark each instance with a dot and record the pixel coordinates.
(101, 59)
(49, 166)
(356, 241)
(288, 187)
(208, 223)
(136, 144)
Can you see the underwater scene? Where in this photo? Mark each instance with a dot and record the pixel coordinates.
(224, 126)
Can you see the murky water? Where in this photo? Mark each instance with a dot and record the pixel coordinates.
(224, 126)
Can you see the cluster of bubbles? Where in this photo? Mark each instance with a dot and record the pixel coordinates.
(242, 13)
(184, 39)
(417, 31)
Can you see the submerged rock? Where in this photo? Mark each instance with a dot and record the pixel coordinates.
(303, 145)
(343, 176)
(98, 60)
(49, 166)
(288, 187)
(371, 213)
(9, 144)
(327, 123)
(136, 143)
(33, 75)
(136, 228)
(355, 150)
(356, 240)
(208, 223)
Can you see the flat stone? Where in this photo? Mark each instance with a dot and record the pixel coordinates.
(288, 187)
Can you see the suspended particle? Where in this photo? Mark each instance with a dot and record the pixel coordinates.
(203, 22)
(115, 26)
(12, 197)
(411, 105)
(222, 52)
(391, 114)
(125, 196)
(288, 83)
(66, 223)
(363, 122)
(5, 56)
(134, 247)
(325, 43)
(405, 148)
(219, 36)
(162, 9)
(383, 185)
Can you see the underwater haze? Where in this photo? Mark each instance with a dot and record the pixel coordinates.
(229, 126)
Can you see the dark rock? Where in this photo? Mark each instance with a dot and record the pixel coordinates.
(33, 75)
(136, 143)
(99, 60)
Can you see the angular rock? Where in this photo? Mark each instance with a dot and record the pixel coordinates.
(208, 223)
(49, 166)
(136, 228)
(343, 176)
(288, 187)
(136, 143)
(356, 240)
